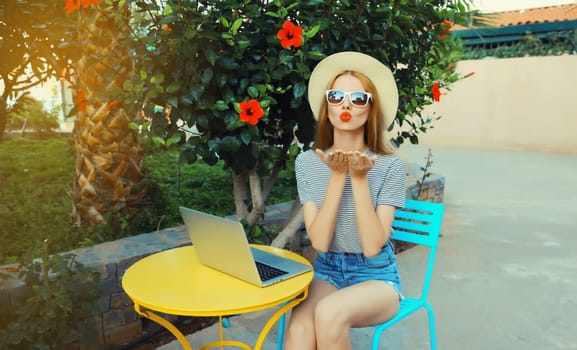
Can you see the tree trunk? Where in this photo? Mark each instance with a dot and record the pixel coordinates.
(240, 192)
(258, 193)
(109, 165)
(257, 199)
(3, 116)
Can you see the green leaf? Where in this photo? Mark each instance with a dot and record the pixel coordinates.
(261, 88)
(173, 101)
(221, 80)
(133, 126)
(316, 55)
(153, 94)
(243, 44)
(202, 121)
(232, 122)
(221, 106)
(173, 87)
(128, 85)
(265, 103)
(245, 136)
(229, 144)
(299, 89)
(312, 32)
(294, 149)
(206, 76)
(175, 138)
(236, 25)
(252, 91)
(272, 14)
(254, 132)
(158, 140)
(287, 59)
(224, 22)
(210, 56)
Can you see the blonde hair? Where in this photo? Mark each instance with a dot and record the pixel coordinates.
(376, 135)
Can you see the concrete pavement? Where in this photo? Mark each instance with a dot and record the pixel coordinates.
(506, 269)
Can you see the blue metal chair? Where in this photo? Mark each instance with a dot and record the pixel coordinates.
(418, 223)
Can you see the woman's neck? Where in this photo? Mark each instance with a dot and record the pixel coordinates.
(349, 141)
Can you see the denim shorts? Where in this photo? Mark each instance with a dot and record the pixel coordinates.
(345, 269)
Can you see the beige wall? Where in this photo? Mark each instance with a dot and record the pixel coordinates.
(527, 103)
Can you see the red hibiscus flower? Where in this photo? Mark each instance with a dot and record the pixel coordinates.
(290, 35)
(81, 101)
(112, 105)
(250, 112)
(447, 25)
(436, 92)
(72, 5)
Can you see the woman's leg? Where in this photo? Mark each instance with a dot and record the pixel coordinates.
(300, 333)
(360, 305)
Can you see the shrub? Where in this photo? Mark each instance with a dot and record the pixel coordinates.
(62, 294)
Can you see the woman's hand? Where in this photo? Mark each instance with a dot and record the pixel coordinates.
(359, 164)
(336, 160)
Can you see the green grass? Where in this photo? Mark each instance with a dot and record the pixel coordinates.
(35, 176)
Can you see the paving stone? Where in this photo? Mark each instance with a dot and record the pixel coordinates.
(123, 334)
(112, 319)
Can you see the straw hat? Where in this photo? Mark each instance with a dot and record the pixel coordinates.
(337, 63)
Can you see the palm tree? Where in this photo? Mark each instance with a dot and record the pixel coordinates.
(109, 167)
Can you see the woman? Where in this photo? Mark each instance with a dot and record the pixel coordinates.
(349, 187)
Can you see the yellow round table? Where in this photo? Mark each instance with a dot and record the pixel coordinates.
(174, 282)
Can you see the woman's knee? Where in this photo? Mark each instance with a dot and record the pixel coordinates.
(328, 315)
(300, 332)
(300, 328)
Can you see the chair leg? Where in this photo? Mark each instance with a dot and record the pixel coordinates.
(376, 338)
(432, 330)
(280, 335)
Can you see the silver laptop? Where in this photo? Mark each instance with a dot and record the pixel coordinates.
(222, 244)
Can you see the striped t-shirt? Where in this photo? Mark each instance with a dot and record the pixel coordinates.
(386, 180)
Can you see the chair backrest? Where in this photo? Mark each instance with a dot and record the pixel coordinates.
(419, 222)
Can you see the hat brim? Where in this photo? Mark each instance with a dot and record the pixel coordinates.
(380, 75)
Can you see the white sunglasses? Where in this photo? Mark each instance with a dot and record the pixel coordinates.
(358, 98)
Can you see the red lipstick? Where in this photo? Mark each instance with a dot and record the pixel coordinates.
(346, 116)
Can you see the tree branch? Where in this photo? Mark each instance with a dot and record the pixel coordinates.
(291, 228)
(271, 179)
(256, 195)
(239, 190)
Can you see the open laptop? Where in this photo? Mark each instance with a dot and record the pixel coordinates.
(221, 243)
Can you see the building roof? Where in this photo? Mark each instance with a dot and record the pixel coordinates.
(547, 14)
(511, 26)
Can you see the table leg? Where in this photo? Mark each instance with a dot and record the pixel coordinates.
(166, 324)
(274, 318)
(222, 343)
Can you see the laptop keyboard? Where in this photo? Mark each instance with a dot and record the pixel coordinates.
(268, 272)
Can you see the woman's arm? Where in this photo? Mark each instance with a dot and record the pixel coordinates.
(374, 225)
(320, 222)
